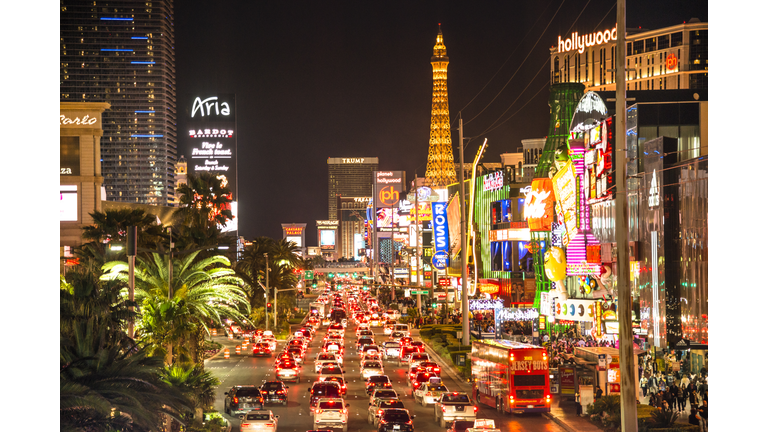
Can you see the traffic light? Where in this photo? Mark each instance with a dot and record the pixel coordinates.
(269, 307)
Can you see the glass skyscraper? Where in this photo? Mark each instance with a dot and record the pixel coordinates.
(122, 52)
(349, 177)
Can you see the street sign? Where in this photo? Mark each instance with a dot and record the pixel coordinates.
(440, 260)
(415, 292)
(309, 275)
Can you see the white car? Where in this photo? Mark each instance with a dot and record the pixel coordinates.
(323, 358)
(371, 367)
(429, 392)
(417, 358)
(261, 420)
(374, 356)
(390, 350)
(404, 328)
(270, 340)
(331, 413)
(383, 394)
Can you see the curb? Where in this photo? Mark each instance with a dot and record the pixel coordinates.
(448, 367)
(560, 422)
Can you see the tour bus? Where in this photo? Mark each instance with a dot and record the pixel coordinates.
(510, 376)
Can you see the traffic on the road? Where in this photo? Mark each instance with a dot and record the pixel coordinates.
(349, 375)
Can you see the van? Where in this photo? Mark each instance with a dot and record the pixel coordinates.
(405, 328)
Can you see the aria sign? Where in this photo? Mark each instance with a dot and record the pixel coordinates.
(204, 107)
(576, 42)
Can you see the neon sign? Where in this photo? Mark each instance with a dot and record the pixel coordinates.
(204, 106)
(211, 133)
(485, 304)
(488, 288)
(85, 120)
(539, 205)
(493, 181)
(653, 192)
(671, 61)
(565, 191)
(440, 226)
(585, 41)
(352, 160)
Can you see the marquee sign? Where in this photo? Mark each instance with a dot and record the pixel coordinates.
(572, 309)
(485, 304)
(514, 314)
(565, 187)
(493, 181)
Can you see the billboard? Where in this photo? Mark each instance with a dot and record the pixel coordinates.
(539, 205)
(565, 188)
(327, 239)
(208, 139)
(68, 203)
(440, 226)
(296, 239)
(388, 186)
(453, 212)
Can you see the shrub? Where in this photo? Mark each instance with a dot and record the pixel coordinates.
(663, 418)
(610, 405)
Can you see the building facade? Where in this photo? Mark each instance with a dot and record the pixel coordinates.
(352, 214)
(669, 58)
(349, 177)
(122, 52)
(81, 180)
(532, 149)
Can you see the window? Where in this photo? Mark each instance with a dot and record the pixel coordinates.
(528, 380)
(677, 39)
(650, 44)
(663, 42)
(638, 47)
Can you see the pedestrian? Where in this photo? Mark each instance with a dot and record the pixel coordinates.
(644, 386)
(662, 383)
(680, 400)
(598, 393)
(578, 404)
(692, 396)
(674, 395)
(701, 420)
(704, 414)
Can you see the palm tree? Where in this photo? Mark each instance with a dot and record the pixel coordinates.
(196, 384)
(204, 201)
(202, 292)
(287, 252)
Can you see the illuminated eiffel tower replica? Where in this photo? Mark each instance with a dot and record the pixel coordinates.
(440, 168)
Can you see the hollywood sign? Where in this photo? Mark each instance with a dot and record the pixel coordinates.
(576, 42)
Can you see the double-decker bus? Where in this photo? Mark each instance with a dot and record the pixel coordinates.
(510, 376)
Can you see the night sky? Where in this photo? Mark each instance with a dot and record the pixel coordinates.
(319, 79)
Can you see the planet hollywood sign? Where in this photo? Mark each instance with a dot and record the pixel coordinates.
(580, 43)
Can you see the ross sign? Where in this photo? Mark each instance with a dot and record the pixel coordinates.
(565, 187)
(440, 227)
(440, 260)
(493, 181)
(576, 42)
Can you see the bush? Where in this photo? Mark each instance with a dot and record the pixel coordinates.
(610, 404)
(663, 419)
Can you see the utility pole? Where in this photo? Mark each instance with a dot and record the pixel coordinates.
(626, 346)
(266, 291)
(374, 236)
(464, 293)
(418, 246)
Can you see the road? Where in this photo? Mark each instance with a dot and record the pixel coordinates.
(295, 417)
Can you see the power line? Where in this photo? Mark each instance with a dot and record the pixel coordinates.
(522, 63)
(508, 58)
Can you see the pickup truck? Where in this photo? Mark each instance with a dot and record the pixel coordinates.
(454, 406)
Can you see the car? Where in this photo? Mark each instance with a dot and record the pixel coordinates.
(331, 413)
(461, 425)
(324, 357)
(419, 345)
(389, 326)
(429, 392)
(404, 328)
(454, 406)
(368, 349)
(364, 340)
(336, 328)
(270, 340)
(333, 370)
(298, 353)
(334, 347)
(372, 356)
(418, 357)
(375, 382)
(420, 378)
(339, 379)
(405, 340)
(395, 314)
(322, 389)
(405, 354)
(261, 349)
(395, 419)
(287, 370)
(395, 336)
(262, 420)
(390, 350)
(241, 399)
(383, 394)
(298, 341)
(428, 366)
(370, 368)
(379, 405)
(274, 391)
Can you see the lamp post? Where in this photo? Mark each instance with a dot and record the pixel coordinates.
(266, 292)
(170, 264)
(463, 235)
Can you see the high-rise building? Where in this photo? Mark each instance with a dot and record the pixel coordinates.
(440, 168)
(349, 177)
(122, 52)
(669, 58)
(532, 149)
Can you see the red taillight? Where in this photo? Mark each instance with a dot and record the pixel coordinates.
(242, 425)
(476, 408)
(379, 413)
(234, 399)
(268, 424)
(443, 408)
(387, 385)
